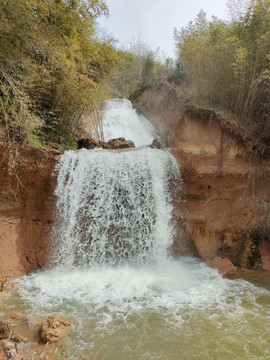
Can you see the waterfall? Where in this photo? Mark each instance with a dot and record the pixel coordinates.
(112, 273)
(121, 119)
(114, 207)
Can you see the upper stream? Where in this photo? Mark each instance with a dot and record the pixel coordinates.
(113, 274)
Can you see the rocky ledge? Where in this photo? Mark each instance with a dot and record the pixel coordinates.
(118, 143)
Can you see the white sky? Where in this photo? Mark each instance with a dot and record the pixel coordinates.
(155, 19)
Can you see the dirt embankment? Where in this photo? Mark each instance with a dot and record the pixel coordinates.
(225, 201)
(163, 107)
(26, 208)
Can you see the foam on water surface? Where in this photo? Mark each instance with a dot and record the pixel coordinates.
(178, 309)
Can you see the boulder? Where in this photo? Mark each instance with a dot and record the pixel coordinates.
(118, 143)
(224, 267)
(105, 145)
(53, 329)
(88, 143)
(155, 144)
(121, 143)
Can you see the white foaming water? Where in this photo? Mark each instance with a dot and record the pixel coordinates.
(180, 309)
(114, 207)
(121, 120)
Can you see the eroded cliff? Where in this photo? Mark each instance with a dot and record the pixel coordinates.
(26, 208)
(225, 199)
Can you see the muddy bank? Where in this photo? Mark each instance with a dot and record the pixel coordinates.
(225, 201)
(26, 208)
(226, 190)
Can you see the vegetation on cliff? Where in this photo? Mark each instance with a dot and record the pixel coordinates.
(138, 67)
(54, 64)
(228, 64)
(51, 64)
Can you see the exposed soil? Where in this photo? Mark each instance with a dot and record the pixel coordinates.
(26, 208)
(225, 201)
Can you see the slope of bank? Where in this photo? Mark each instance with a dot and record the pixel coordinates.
(226, 177)
(26, 208)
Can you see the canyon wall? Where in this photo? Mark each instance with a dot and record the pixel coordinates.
(26, 208)
(225, 200)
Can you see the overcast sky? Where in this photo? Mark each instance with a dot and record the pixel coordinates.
(155, 19)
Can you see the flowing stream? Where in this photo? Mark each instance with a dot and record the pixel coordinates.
(112, 272)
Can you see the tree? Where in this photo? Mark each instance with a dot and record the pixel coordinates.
(51, 63)
(236, 9)
(228, 64)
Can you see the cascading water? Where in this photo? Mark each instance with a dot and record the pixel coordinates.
(113, 275)
(120, 119)
(114, 207)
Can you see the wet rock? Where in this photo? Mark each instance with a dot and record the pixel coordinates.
(7, 333)
(224, 267)
(155, 144)
(88, 143)
(118, 143)
(53, 329)
(5, 330)
(105, 145)
(2, 283)
(121, 143)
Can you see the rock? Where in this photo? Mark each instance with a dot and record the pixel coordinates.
(88, 143)
(118, 143)
(2, 283)
(53, 329)
(224, 266)
(5, 331)
(105, 145)
(155, 144)
(121, 143)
